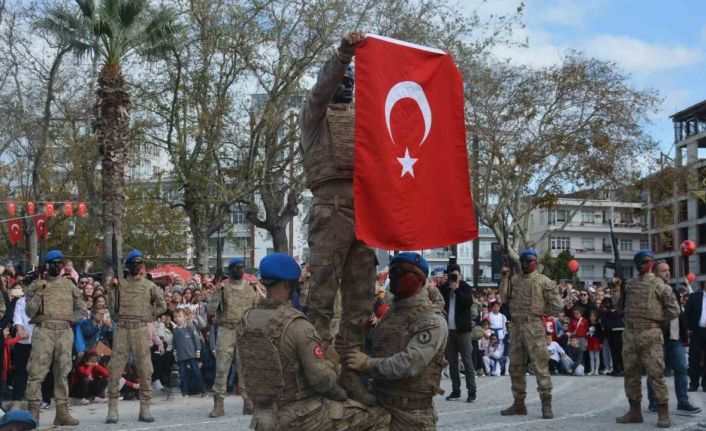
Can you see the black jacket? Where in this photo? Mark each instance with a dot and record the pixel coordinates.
(693, 310)
(464, 301)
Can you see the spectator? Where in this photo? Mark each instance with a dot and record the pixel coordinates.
(555, 353)
(96, 329)
(99, 302)
(90, 380)
(614, 325)
(696, 322)
(578, 327)
(574, 357)
(187, 349)
(584, 304)
(164, 327)
(129, 383)
(498, 321)
(20, 355)
(493, 357)
(157, 352)
(458, 298)
(594, 339)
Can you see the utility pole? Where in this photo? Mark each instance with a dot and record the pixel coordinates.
(476, 242)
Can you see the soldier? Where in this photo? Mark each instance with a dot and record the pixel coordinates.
(337, 259)
(408, 349)
(52, 305)
(533, 296)
(133, 303)
(648, 303)
(291, 384)
(228, 303)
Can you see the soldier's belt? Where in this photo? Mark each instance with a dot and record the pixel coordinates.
(131, 324)
(525, 319)
(54, 325)
(336, 201)
(642, 325)
(229, 325)
(406, 402)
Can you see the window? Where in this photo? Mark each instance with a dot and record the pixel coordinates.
(644, 243)
(587, 244)
(557, 216)
(561, 243)
(625, 244)
(587, 217)
(588, 271)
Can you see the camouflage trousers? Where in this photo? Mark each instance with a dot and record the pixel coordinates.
(135, 340)
(529, 340)
(225, 356)
(50, 348)
(643, 348)
(322, 414)
(338, 261)
(412, 419)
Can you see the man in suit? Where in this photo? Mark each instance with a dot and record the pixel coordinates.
(696, 321)
(458, 298)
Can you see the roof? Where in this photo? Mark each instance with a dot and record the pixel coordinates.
(694, 112)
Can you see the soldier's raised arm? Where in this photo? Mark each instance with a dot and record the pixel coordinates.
(33, 300)
(504, 285)
(159, 304)
(215, 301)
(80, 310)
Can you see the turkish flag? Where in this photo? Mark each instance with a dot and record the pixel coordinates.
(82, 209)
(68, 209)
(410, 148)
(40, 224)
(11, 208)
(30, 208)
(50, 210)
(14, 230)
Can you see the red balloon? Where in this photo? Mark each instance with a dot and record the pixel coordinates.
(573, 265)
(687, 248)
(691, 277)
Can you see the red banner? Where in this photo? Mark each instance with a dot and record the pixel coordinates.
(82, 209)
(69, 209)
(11, 208)
(14, 230)
(410, 148)
(49, 209)
(40, 224)
(30, 208)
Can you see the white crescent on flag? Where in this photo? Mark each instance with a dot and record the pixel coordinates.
(408, 90)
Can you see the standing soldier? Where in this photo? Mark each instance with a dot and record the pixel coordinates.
(337, 259)
(408, 349)
(648, 304)
(533, 296)
(133, 303)
(53, 305)
(291, 384)
(228, 303)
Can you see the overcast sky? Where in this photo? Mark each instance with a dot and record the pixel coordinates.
(660, 43)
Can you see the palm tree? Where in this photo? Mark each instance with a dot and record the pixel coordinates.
(111, 31)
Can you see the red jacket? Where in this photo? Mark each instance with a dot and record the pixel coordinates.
(90, 371)
(578, 327)
(9, 342)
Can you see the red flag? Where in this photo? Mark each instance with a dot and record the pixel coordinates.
(82, 209)
(68, 209)
(40, 224)
(30, 208)
(11, 208)
(50, 210)
(14, 230)
(410, 147)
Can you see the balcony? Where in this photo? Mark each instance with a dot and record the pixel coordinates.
(605, 253)
(626, 226)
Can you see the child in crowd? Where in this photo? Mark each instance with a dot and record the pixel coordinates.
(187, 349)
(498, 321)
(578, 327)
(90, 379)
(493, 358)
(555, 352)
(593, 343)
(574, 357)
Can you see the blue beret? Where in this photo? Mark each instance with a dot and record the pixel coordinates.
(19, 417)
(528, 252)
(133, 254)
(236, 261)
(413, 258)
(280, 266)
(53, 255)
(645, 252)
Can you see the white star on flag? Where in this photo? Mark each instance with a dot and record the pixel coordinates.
(407, 163)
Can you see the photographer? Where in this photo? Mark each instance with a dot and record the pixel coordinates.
(458, 298)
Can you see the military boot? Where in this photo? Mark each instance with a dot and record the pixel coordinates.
(663, 420)
(112, 411)
(517, 408)
(33, 408)
(145, 415)
(63, 417)
(547, 407)
(633, 416)
(218, 407)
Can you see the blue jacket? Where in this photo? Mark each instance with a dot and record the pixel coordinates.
(93, 333)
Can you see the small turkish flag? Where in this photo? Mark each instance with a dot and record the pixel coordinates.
(82, 209)
(50, 210)
(14, 230)
(68, 209)
(11, 208)
(40, 224)
(410, 147)
(30, 208)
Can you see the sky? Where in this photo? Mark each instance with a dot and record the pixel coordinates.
(661, 44)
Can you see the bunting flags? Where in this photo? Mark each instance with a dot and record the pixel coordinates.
(14, 230)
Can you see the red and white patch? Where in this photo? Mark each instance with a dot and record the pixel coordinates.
(318, 352)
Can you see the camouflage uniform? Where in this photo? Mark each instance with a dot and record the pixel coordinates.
(228, 304)
(285, 373)
(132, 304)
(337, 259)
(408, 356)
(648, 303)
(533, 296)
(52, 305)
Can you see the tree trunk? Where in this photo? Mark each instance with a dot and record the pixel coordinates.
(113, 144)
(200, 235)
(279, 238)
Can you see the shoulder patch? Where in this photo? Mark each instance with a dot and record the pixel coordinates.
(428, 322)
(318, 351)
